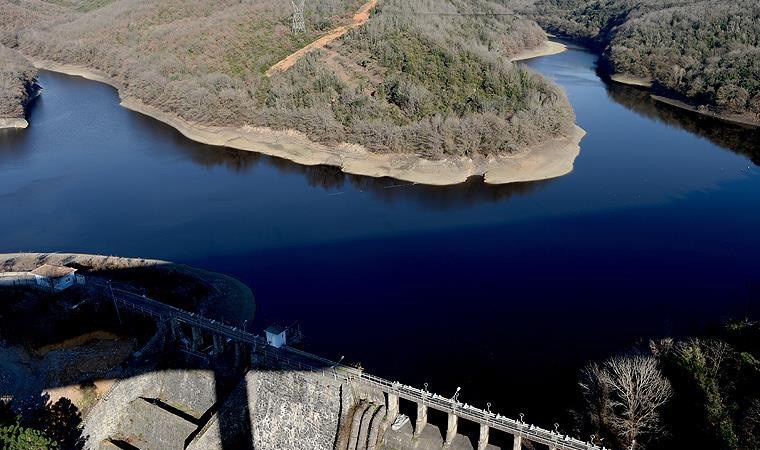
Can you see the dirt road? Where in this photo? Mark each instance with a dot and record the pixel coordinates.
(360, 18)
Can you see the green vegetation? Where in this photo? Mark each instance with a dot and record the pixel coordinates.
(46, 426)
(407, 81)
(16, 437)
(704, 51)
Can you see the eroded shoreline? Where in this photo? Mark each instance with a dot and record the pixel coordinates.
(7, 123)
(548, 160)
(548, 48)
(630, 80)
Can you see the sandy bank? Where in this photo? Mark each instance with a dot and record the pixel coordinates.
(12, 122)
(732, 118)
(631, 80)
(552, 159)
(548, 48)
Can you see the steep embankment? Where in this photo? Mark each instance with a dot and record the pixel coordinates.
(701, 55)
(17, 87)
(417, 96)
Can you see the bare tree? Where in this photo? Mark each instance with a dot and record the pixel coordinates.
(625, 395)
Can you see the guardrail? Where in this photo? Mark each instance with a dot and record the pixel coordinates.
(300, 360)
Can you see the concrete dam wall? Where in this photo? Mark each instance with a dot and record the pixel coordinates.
(266, 410)
(270, 409)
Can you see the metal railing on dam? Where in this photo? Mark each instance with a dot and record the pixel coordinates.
(300, 360)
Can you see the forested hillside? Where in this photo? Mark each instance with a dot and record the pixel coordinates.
(407, 81)
(17, 83)
(705, 51)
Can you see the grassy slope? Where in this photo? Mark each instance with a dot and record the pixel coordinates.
(705, 51)
(406, 82)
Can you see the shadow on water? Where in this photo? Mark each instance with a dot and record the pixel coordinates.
(737, 138)
(332, 178)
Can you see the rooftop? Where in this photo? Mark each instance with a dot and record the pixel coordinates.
(275, 328)
(52, 271)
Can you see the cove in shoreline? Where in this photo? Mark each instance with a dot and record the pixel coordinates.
(547, 160)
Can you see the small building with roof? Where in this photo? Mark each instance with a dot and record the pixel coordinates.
(56, 278)
(277, 335)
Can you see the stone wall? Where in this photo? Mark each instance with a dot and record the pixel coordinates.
(277, 410)
(267, 410)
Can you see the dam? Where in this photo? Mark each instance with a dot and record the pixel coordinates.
(293, 399)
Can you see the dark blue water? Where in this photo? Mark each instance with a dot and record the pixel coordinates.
(504, 291)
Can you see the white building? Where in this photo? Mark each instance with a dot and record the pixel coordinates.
(277, 335)
(56, 278)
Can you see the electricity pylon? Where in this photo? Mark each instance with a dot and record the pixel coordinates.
(299, 25)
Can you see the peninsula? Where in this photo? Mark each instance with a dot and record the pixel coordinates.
(17, 87)
(382, 89)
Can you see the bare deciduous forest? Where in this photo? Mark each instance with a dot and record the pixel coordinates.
(408, 81)
(16, 83)
(704, 51)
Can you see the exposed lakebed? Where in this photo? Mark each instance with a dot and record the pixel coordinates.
(503, 290)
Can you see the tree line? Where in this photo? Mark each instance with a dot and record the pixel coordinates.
(39, 424)
(408, 81)
(704, 51)
(17, 83)
(699, 392)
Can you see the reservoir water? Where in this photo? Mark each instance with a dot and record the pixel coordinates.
(505, 291)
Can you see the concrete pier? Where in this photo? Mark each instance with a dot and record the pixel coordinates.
(422, 417)
(451, 429)
(218, 343)
(483, 439)
(517, 445)
(392, 407)
(197, 338)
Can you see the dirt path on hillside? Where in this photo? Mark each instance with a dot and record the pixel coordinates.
(360, 18)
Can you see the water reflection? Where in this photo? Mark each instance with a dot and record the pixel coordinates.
(331, 178)
(737, 138)
(10, 148)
